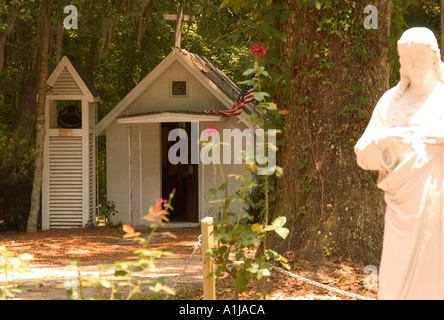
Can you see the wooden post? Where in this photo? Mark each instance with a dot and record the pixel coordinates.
(209, 284)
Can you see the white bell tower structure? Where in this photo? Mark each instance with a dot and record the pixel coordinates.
(69, 174)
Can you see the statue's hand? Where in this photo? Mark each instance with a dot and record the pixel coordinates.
(395, 144)
(429, 135)
(393, 137)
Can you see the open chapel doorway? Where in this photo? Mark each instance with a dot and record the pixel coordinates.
(183, 177)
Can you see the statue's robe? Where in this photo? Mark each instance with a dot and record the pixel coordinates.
(412, 178)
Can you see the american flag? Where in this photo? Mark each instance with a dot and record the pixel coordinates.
(245, 97)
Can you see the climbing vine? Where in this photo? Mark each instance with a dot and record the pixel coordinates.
(333, 65)
(237, 236)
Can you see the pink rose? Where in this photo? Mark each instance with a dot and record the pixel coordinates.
(210, 131)
(258, 49)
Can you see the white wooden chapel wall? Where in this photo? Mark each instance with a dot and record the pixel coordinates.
(133, 169)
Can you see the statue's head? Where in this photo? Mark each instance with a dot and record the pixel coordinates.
(419, 57)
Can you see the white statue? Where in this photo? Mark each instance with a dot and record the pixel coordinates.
(404, 141)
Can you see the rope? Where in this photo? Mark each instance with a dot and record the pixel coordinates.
(314, 283)
(323, 286)
(196, 247)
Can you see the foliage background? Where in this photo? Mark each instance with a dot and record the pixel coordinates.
(120, 42)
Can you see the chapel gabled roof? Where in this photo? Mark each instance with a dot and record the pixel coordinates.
(218, 78)
(200, 67)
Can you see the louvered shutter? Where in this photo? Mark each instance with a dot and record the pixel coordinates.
(65, 182)
(66, 85)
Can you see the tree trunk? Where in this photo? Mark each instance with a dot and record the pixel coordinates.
(23, 124)
(45, 10)
(339, 71)
(59, 39)
(147, 8)
(7, 32)
(22, 128)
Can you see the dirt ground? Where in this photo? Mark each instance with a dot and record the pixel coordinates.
(53, 250)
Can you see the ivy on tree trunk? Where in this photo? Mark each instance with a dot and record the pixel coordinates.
(339, 70)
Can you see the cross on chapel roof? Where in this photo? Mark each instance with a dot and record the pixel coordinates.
(179, 17)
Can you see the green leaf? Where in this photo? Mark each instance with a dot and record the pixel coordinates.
(253, 269)
(269, 228)
(249, 71)
(282, 232)
(72, 294)
(263, 273)
(271, 106)
(259, 96)
(236, 8)
(105, 283)
(120, 273)
(251, 203)
(267, 171)
(222, 186)
(247, 82)
(279, 171)
(160, 287)
(224, 4)
(273, 254)
(279, 221)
